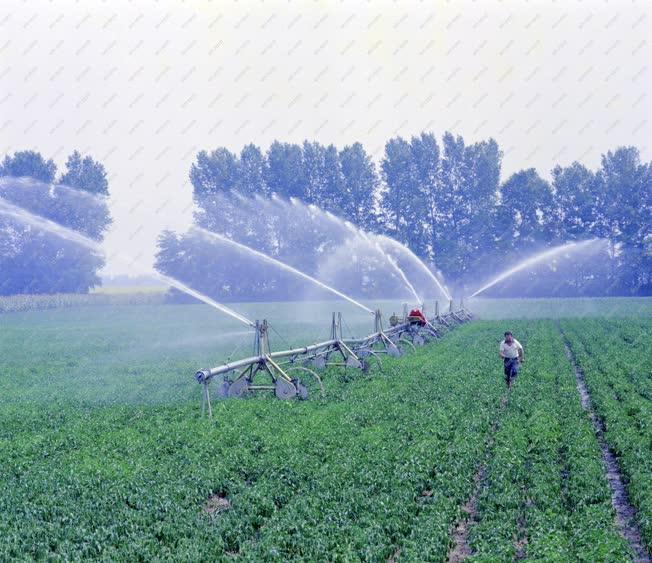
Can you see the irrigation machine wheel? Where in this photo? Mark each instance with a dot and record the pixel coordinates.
(317, 362)
(239, 387)
(418, 340)
(404, 343)
(314, 385)
(371, 360)
(285, 389)
(222, 388)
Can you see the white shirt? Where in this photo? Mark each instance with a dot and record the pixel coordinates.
(511, 350)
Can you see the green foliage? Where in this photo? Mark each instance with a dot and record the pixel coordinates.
(28, 163)
(616, 358)
(449, 205)
(105, 455)
(341, 478)
(544, 484)
(526, 213)
(33, 261)
(85, 174)
(285, 173)
(359, 181)
(575, 192)
(214, 172)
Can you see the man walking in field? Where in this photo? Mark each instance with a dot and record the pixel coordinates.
(511, 352)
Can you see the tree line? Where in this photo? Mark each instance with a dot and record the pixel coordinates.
(444, 199)
(33, 261)
(448, 203)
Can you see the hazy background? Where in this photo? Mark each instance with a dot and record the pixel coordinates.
(143, 86)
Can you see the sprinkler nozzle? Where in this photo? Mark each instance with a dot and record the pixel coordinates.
(202, 376)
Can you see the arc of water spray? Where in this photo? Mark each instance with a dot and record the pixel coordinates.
(398, 270)
(418, 260)
(383, 238)
(359, 233)
(282, 265)
(402, 274)
(312, 208)
(17, 212)
(279, 202)
(10, 210)
(537, 258)
(340, 223)
(29, 182)
(392, 262)
(186, 289)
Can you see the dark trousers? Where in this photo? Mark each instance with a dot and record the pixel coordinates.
(511, 369)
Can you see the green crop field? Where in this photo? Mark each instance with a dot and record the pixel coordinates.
(616, 358)
(105, 454)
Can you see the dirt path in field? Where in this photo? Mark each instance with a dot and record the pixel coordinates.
(625, 512)
(460, 534)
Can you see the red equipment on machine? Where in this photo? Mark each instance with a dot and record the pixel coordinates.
(417, 317)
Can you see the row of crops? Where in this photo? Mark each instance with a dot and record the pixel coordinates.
(345, 477)
(546, 496)
(380, 469)
(616, 359)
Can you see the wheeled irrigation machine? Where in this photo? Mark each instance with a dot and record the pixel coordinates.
(287, 371)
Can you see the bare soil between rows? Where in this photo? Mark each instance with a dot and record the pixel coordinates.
(625, 511)
(215, 504)
(461, 549)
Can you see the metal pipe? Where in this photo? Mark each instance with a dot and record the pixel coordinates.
(206, 374)
(376, 335)
(304, 350)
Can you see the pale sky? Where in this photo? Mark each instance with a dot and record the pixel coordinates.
(142, 86)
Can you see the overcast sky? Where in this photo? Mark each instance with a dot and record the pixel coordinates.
(143, 85)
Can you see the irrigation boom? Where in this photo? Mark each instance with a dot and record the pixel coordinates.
(285, 368)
